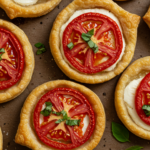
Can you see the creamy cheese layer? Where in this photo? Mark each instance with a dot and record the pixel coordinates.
(26, 2)
(100, 11)
(129, 98)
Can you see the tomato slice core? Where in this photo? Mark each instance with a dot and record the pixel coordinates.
(107, 36)
(142, 97)
(76, 106)
(12, 63)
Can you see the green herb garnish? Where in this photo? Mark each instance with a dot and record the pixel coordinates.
(41, 48)
(2, 50)
(56, 113)
(135, 148)
(59, 121)
(70, 45)
(87, 38)
(146, 109)
(73, 122)
(47, 110)
(120, 132)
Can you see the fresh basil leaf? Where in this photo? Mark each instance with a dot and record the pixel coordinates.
(73, 122)
(45, 112)
(85, 38)
(91, 44)
(56, 113)
(38, 45)
(2, 50)
(135, 148)
(91, 32)
(120, 132)
(48, 106)
(146, 109)
(40, 51)
(1, 56)
(70, 45)
(59, 121)
(65, 116)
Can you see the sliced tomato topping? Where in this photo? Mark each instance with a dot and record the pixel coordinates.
(107, 36)
(12, 60)
(143, 98)
(60, 135)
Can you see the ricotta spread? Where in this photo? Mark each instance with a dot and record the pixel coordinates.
(26, 2)
(129, 98)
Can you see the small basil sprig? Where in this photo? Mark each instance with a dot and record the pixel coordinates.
(135, 148)
(41, 48)
(73, 122)
(70, 45)
(47, 110)
(120, 132)
(2, 50)
(146, 109)
(87, 38)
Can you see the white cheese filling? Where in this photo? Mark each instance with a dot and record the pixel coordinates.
(26, 2)
(100, 11)
(129, 98)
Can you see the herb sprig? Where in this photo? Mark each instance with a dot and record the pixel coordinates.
(41, 48)
(135, 148)
(2, 51)
(48, 110)
(146, 109)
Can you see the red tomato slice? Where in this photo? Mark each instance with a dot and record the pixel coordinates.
(12, 63)
(143, 98)
(107, 36)
(76, 106)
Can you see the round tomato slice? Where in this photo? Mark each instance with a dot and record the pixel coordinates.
(143, 98)
(11, 59)
(76, 106)
(107, 36)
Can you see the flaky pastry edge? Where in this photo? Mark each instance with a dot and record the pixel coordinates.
(20, 86)
(133, 70)
(128, 21)
(14, 10)
(26, 134)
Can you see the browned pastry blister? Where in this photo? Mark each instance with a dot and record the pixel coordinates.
(26, 134)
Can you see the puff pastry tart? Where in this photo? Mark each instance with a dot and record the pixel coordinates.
(1, 140)
(92, 41)
(132, 98)
(28, 8)
(147, 17)
(16, 61)
(61, 115)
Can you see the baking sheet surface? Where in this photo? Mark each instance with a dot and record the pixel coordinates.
(37, 30)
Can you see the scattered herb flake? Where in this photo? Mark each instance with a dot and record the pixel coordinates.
(70, 45)
(146, 109)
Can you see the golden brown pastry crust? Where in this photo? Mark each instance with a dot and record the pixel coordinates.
(147, 17)
(128, 21)
(1, 140)
(20, 86)
(26, 134)
(133, 70)
(14, 10)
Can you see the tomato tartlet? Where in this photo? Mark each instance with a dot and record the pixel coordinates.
(61, 115)
(93, 41)
(28, 8)
(132, 98)
(16, 61)
(147, 17)
(1, 140)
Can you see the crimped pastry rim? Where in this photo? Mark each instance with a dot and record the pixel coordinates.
(133, 70)
(26, 134)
